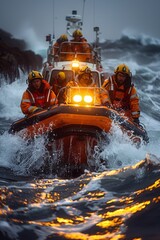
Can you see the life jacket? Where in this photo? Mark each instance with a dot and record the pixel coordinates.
(40, 98)
(33, 99)
(119, 96)
(72, 84)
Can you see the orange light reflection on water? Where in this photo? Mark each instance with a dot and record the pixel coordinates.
(109, 223)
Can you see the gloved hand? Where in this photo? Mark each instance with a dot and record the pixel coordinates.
(136, 120)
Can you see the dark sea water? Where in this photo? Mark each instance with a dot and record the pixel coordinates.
(118, 202)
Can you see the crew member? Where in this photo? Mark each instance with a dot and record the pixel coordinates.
(121, 93)
(61, 48)
(85, 79)
(38, 95)
(80, 46)
(59, 86)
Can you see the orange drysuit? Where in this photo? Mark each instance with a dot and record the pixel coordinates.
(33, 99)
(121, 98)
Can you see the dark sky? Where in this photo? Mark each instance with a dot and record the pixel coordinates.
(33, 19)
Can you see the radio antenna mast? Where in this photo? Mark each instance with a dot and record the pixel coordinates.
(83, 10)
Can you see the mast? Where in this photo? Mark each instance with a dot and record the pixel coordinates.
(83, 10)
(74, 21)
(97, 48)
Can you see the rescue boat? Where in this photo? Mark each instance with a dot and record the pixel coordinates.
(76, 128)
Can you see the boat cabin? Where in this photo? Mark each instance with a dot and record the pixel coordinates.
(50, 74)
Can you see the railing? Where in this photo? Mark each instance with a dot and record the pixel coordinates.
(69, 51)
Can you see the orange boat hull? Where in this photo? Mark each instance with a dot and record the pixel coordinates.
(74, 131)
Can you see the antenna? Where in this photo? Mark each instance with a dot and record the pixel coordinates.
(97, 48)
(53, 22)
(83, 10)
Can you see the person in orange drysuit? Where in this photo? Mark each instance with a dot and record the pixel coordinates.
(84, 79)
(121, 93)
(38, 95)
(61, 49)
(80, 46)
(59, 86)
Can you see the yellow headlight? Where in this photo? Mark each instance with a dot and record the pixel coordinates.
(77, 98)
(88, 99)
(75, 64)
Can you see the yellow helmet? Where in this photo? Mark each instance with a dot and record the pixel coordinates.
(77, 33)
(63, 38)
(87, 80)
(123, 68)
(61, 75)
(84, 69)
(34, 75)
